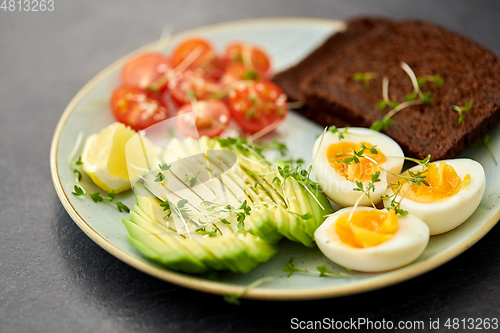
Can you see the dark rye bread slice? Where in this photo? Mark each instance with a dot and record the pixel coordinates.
(470, 72)
(290, 79)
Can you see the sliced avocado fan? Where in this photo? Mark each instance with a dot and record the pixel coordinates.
(218, 204)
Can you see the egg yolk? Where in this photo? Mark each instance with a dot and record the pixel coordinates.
(443, 180)
(364, 228)
(363, 170)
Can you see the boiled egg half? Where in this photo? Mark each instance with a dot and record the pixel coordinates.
(370, 240)
(455, 189)
(337, 169)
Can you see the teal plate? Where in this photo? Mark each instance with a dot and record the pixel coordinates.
(287, 40)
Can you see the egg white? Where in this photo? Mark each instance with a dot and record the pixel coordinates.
(405, 246)
(340, 190)
(445, 215)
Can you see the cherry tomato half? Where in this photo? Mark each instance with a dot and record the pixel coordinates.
(146, 70)
(258, 58)
(215, 69)
(210, 118)
(137, 107)
(238, 72)
(256, 105)
(192, 82)
(200, 52)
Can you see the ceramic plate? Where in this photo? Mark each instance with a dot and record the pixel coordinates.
(287, 40)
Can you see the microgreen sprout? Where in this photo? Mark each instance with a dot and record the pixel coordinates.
(96, 197)
(160, 176)
(191, 181)
(234, 298)
(243, 146)
(396, 205)
(78, 175)
(301, 176)
(217, 209)
(202, 229)
(333, 129)
(370, 187)
(251, 75)
(304, 217)
(322, 271)
(290, 161)
(436, 79)
(164, 166)
(166, 207)
(365, 78)
(77, 172)
(181, 205)
(462, 109)
(410, 99)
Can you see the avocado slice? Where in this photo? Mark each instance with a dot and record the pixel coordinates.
(233, 255)
(169, 255)
(262, 224)
(151, 253)
(320, 212)
(259, 249)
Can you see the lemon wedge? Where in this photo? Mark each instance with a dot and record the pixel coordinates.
(105, 158)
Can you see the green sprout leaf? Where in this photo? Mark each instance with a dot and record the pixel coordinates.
(78, 191)
(96, 197)
(322, 271)
(234, 298)
(333, 129)
(462, 109)
(78, 175)
(251, 75)
(181, 203)
(290, 267)
(381, 105)
(160, 177)
(365, 78)
(409, 100)
(164, 166)
(191, 181)
(122, 208)
(382, 125)
(436, 79)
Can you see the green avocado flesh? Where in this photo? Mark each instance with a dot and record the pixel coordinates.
(220, 206)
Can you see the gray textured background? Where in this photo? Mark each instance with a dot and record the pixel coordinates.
(53, 278)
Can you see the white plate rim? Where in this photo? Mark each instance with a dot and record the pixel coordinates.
(218, 287)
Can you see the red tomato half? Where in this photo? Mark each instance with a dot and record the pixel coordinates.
(210, 118)
(236, 52)
(145, 70)
(136, 107)
(256, 105)
(215, 69)
(199, 50)
(238, 72)
(192, 82)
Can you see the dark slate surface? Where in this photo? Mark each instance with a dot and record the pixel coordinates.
(53, 278)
